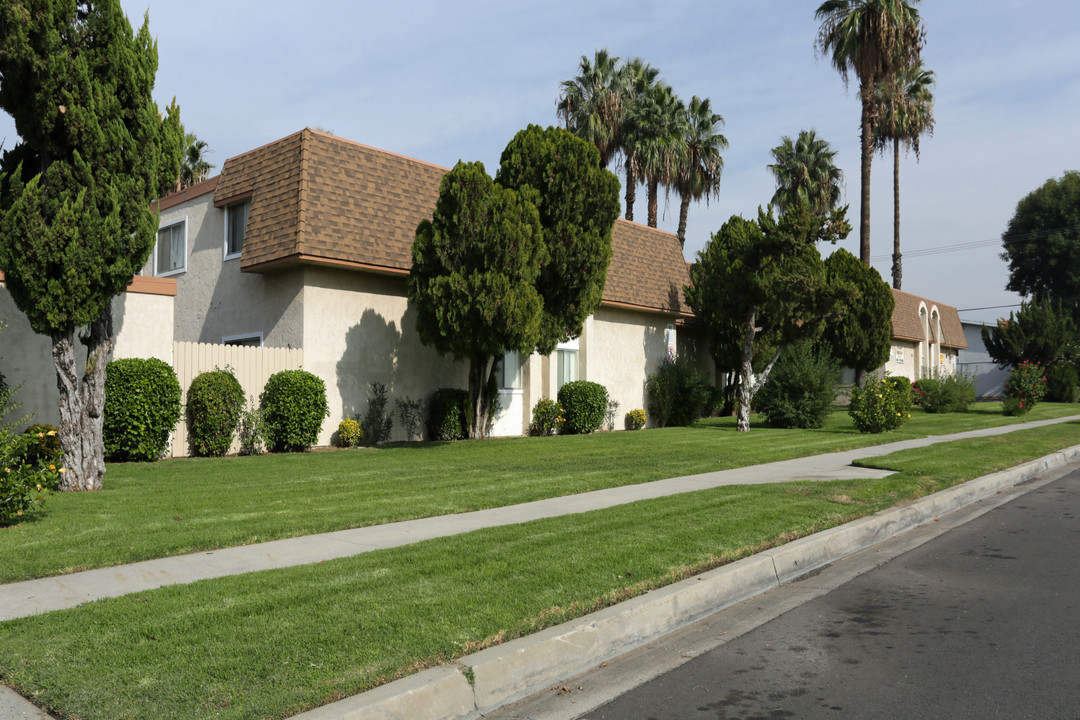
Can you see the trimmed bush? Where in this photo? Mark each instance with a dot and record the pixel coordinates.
(547, 417)
(1062, 384)
(949, 393)
(294, 406)
(920, 389)
(878, 406)
(903, 387)
(349, 433)
(142, 406)
(215, 400)
(448, 414)
(1024, 389)
(584, 405)
(801, 387)
(635, 419)
(677, 393)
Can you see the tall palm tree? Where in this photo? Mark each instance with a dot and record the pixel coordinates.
(653, 140)
(698, 175)
(592, 103)
(637, 78)
(873, 39)
(805, 172)
(194, 168)
(905, 113)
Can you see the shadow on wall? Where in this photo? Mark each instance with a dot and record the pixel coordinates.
(371, 355)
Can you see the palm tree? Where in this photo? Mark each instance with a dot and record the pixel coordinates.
(637, 78)
(698, 175)
(874, 39)
(653, 140)
(592, 104)
(805, 172)
(905, 112)
(194, 167)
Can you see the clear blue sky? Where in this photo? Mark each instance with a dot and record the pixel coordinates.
(445, 81)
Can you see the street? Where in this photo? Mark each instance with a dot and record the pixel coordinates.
(981, 622)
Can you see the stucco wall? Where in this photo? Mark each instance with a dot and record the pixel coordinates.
(215, 300)
(142, 324)
(359, 329)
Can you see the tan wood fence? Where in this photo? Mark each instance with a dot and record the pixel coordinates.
(252, 366)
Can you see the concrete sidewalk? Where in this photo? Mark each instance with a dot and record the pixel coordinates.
(65, 591)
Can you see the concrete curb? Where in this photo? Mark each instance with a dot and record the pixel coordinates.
(478, 683)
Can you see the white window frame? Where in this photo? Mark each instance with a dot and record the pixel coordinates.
(898, 354)
(228, 210)
(157, 239)
(231, 339)
(569, 346)
(517, 386)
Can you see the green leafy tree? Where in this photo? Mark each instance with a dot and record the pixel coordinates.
(766, 279)
(905, 112)
(578, 203)
(1042, 244)
(701, 164)
(874, 39)
(473, 278)
(805, 172)
(75, 194)
(860, 331)
(1041, 332)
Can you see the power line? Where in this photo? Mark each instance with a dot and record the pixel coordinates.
(988, 307)
(1018, 238)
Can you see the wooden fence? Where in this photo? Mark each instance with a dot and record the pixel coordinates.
(252, 366)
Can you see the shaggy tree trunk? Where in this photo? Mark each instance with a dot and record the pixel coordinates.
(480, 394)
(748, 385)
(867, 93)
(896, 270)
(684, 210)
(654, 190)
(631, 191)
(82, 403)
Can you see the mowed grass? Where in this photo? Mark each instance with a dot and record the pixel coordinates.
(173, 507)
(271, 644)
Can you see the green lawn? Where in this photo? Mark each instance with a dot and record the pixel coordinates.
(173, 507)
(271, 644)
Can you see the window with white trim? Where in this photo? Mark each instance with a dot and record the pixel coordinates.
(249, 340)
(236, 217)
(508, 371)
(566, 362)
(898, 354)
(170, 252)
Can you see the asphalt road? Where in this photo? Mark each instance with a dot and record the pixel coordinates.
(981, 622)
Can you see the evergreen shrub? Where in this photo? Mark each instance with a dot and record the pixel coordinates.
(635, 419)
(142, 406)
(448, 414)
(1062, 384)
(584, 405)
(293, 408)
(378, 424)
(349, 433)
(547, 417)
(677, 393)
(215, 400)
(878, 406)
(1024, 389)
(949, 393)
(801, 387)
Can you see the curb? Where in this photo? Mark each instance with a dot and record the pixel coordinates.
(478, 683)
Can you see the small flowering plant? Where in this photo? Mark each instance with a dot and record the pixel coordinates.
(547, 419)
(25, 476)
(1025, 387)
(635, 419)
(878, 406)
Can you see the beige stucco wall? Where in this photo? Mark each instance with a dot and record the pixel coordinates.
(215, 300)
(920, 360)
(142, 324)
(359, 329)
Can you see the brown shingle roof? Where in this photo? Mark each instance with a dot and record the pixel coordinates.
(319, 198)
(907, 325)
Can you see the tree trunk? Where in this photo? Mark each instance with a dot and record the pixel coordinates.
(631, 191)
(684, 210)
(480, 370)
(654, 189)
(896, 269)
(82, 403)
(748, 389)
(860, 377)
(867, 93)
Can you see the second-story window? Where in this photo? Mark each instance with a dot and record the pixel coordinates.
(170, 255)
(236, 217)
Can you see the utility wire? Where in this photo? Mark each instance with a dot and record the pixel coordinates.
(1019, 238)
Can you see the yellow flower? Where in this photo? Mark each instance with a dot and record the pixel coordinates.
(41, 435)
(51, 433)
(909, 415)
(39, 486)
(63, 470)
(18, 512)
(52, 467)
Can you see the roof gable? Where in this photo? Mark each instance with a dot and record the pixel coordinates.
(907, 324)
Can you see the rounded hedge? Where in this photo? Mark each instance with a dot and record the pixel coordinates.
(448, 414)
(215, 400)
(142, 406)
(294, 405)
(584, 405)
